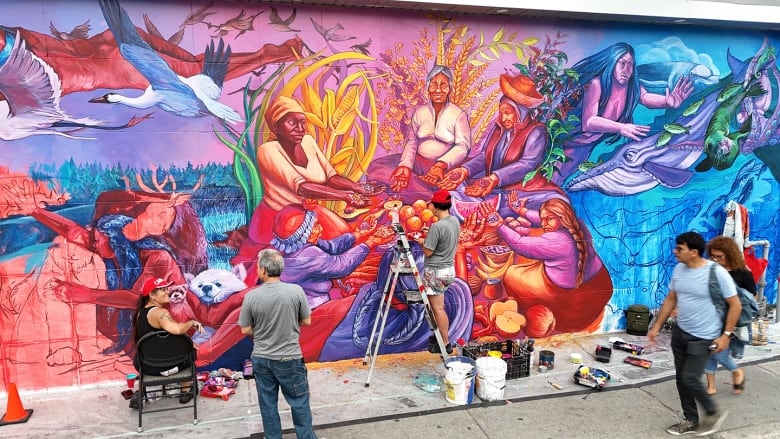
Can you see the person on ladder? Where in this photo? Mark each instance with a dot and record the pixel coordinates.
(439, 246)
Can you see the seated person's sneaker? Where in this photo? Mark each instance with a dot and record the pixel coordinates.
(684, 427)
(134, 400)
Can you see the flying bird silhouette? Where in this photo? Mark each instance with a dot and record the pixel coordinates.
(32, 91)
(240, 23)
(152, 29)
(362, 47)
(331, 34)
(198, 16)
(188, 97)
(279, 24)
(77, 33)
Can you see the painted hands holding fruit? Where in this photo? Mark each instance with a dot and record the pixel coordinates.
(435, 175)
(471, 233)
(482, 187)
(454, 178)
(368, 231)
(399, 179)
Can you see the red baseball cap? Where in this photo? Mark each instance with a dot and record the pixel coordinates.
(441, 196)
(153, 284)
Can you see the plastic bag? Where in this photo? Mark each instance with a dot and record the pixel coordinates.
(755, 264)
(215, 391)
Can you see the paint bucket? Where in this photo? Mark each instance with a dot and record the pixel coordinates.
(547, 358)
(459, 380)
(491, 378)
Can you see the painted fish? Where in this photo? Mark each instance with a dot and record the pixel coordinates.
(676, 128)
(721, 145)
(729, 91)
(663, 139)
(586, 165)
(693, 108)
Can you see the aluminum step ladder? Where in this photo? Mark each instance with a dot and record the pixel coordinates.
(403, 265)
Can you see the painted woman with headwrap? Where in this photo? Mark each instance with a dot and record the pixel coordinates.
(294, 168)
(438, 139)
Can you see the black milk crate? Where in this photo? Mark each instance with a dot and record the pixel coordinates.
(516, 357)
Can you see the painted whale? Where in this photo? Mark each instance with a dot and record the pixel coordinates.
(640, 166)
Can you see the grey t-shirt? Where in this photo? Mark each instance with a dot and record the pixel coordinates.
(274, 310)
(696, 313)
(442, 238)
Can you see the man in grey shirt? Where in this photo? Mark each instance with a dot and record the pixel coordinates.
(439, 247)
(699, 331)
(272, 314)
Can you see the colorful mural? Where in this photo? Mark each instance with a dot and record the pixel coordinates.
(146, 140)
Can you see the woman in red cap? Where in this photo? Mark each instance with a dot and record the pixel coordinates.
(152, 315)
(439, 247)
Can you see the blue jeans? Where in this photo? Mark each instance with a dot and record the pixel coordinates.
(723, 357)
(291, 377)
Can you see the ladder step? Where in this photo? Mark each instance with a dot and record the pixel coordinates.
(413, 296)
(402, 269)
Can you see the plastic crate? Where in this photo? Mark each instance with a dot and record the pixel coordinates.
(517, 358)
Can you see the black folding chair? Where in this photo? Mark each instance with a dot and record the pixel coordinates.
(162, 350)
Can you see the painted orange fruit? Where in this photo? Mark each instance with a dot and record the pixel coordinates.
(426, 215)
(405, 213)
(419, 206)
(413, 224)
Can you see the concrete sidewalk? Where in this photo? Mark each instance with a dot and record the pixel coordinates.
(637, 402)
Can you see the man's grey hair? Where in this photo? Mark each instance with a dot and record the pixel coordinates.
(272, 261)
(444, 70)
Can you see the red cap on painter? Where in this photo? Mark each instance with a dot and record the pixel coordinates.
(152, 284)
(441, 196)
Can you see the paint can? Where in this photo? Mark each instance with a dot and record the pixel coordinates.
(547, 359)
(459, 381)
(575, 358)
(491, 378)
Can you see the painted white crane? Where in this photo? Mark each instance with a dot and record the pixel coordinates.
(194, 96)
(32, 91)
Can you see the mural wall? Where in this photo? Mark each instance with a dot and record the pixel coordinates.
(176, 140)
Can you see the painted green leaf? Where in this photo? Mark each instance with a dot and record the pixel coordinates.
(500, 34)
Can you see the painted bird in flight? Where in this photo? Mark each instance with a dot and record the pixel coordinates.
(279, 24)
(193, 96)
(240, 23)
(32, 91)
(331, 34)
(152, 30)
(78, 32)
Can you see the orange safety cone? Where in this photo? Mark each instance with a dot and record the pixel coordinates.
(15, 413)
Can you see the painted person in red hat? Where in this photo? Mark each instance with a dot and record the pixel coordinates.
(439, 247)
(152, 315)
(514, 146)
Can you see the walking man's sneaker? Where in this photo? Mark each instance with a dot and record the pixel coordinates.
(684, 427)
(711, 423)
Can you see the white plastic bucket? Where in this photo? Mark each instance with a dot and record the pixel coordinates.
(491, 378)
(459, 380)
